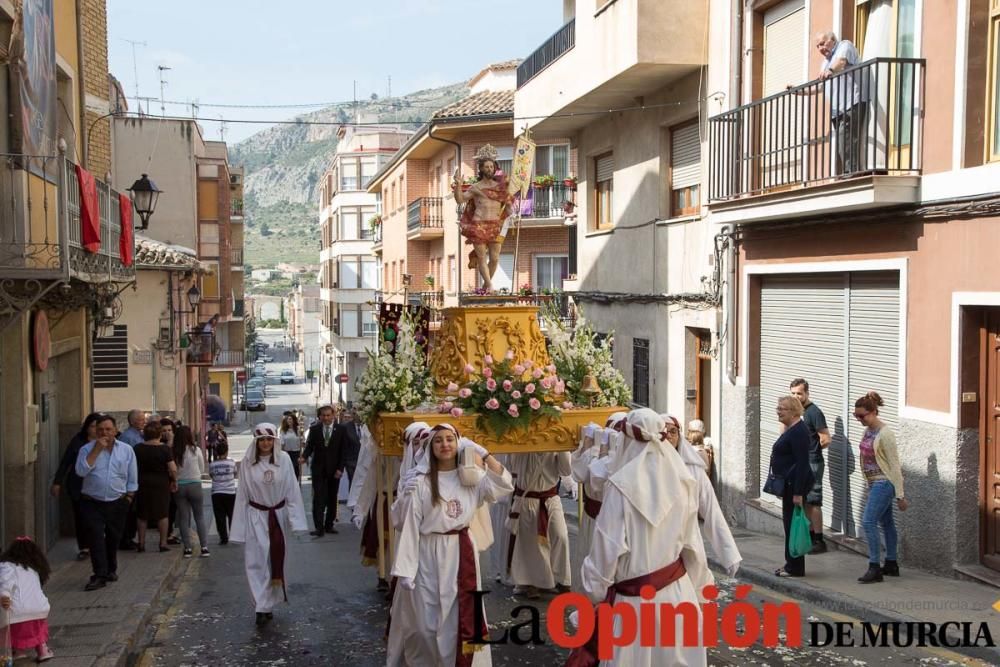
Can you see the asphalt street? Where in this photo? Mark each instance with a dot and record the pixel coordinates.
(336, 617)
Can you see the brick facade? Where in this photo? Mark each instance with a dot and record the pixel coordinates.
(94, 25)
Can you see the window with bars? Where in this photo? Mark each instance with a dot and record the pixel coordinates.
(604, 170)
(640, 371)
(685, 170)
(111, 359)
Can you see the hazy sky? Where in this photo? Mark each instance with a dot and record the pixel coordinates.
(251, 52)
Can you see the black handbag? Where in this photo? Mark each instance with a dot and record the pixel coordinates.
(775, 484)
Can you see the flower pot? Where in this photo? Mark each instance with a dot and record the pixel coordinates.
(570, 184)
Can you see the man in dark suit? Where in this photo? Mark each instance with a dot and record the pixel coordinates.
(350, 443)
(323, 449)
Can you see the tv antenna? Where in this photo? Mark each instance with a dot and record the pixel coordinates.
(162, 68)
(135, 69)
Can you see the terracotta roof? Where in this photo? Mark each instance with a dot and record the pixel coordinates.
(152, 254)
(481, 104)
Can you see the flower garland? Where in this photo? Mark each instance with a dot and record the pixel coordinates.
(579, 352)
(507, 394)
(394, 383)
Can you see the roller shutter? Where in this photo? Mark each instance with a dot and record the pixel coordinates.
(782, 135)
(840, 332)
(685, 157)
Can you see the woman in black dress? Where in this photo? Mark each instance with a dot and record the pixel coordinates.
(157, 478)
(66, 477)
(790, 460)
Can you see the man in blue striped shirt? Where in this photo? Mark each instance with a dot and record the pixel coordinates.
(110, 479)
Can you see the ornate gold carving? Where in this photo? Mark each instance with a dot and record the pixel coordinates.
(448, 352)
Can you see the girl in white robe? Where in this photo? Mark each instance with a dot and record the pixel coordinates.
(437, 562)
(268, 507)
(716, 528)
(648, 527)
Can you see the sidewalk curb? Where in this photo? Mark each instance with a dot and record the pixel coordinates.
(842, 603)
(124, 640)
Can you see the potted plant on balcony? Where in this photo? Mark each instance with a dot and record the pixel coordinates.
(429, 281)
(374, 222)
(543, 181)
(570, 182)
(525, 290)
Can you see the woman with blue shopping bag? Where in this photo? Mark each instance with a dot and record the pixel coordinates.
(790, 477)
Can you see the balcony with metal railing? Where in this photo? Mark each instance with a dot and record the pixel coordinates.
(236, 258)
(229, 359)
(236, 207)
(547, 204)
(199, 348)
(40, 229)
(551, 50)
(849, 142)
(424, 218)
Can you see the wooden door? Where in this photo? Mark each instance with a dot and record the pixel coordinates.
(989, 431)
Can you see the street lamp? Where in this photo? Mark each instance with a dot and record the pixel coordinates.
(144, 194)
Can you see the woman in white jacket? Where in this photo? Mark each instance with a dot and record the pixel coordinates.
(23, 571)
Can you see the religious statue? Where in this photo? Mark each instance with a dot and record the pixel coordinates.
(487, 206)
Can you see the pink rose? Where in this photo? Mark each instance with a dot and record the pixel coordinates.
(488, 360)
(492, 404)
(535, 403)
(551, 368)
(487, 372)
(491, 384)
(528, 363)
(515, 394)
(560, 387)
(519, 369)
(452, 388)
(567, 405)
(510, 355)
(507, 384)
(456, 412)
(464, 392)
(546, 383)
(513, 411)
(469, 370)
(441, 408)
(537, 373)
(529, 388)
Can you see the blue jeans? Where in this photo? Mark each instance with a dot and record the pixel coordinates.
(879, 511)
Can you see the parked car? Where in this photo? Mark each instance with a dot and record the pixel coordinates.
(287, 376)
(268, 359)
(254, 400)
(258, 383)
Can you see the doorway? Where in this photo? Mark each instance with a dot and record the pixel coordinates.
(989, 420)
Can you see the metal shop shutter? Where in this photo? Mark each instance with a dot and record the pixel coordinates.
(873, 344)
(802, 328)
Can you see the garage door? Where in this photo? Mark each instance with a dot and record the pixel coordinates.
(841, 332)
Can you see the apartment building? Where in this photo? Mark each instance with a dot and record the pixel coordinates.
(62, 270)
(422, 256)
(867, 260)
(349, 274)
(641, 260)
(201, 213)
(305, 317)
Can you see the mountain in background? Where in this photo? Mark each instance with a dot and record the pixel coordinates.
(283, 166)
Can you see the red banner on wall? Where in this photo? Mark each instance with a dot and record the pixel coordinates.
(125, 242)
(90, 211)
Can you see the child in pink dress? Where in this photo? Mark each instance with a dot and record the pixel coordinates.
(23, 571)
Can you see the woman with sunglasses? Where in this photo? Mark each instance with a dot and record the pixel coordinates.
(884, 474)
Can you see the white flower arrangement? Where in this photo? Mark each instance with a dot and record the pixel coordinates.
(576, 353)
(394, 383)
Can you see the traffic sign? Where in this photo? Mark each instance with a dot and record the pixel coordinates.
(241, 376)
(343, 378)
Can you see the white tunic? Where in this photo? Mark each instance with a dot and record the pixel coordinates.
(716, 528)
(266, 484)
(424, 628)
(626, 545)
(534, 562)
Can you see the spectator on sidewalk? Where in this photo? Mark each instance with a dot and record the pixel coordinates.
(23, 571)
(133, 434)
(326, 469)
(190, 460)
(157, 480)
(168, 439)
(350, 443)
(790, 462)
(223, 473)
(702, 445)
(291, 442)
(819, 439)
(66, 477)
(268, 506)
(110, 479)
(884, 474)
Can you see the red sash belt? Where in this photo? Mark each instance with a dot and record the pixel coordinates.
(369, 533)
(590, 506)
(543, 510)
(586, 655)
(466, 599)
(277, 539)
